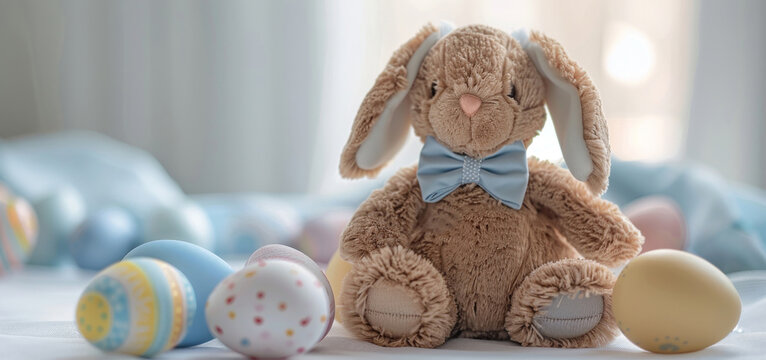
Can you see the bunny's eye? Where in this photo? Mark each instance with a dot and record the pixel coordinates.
(433, 89)
(512, 94)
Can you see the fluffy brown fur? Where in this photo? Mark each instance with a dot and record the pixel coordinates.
(595, 131)
(392, 80)
(403, 267)
(497, 265)
(568, 276)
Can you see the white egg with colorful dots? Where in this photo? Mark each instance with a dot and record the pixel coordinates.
(282, 252)
(272, 308)
(140, 306)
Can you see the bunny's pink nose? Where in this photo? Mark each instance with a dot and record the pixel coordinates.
(470, 104)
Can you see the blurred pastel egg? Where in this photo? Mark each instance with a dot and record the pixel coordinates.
(27, 218)
(336, 271)
(320, 236)
(5, 193)
(271, 309)
(140, 306)
(282, 252)
(670, 301)
(104, 238)
(203, 269)
(185, 221)
(244, 224)
(58, 215)
(18, 233)
(660, 220)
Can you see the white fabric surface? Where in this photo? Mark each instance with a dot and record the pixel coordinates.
(37, 312)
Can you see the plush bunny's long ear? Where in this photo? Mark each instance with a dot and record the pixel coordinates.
(575, 108)
(382, 123)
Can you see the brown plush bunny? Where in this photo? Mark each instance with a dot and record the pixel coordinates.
(480, 241)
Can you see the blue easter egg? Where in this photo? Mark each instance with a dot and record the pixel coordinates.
(185, 221)
(140, 306)
(104, 238)
(203, 269)
(241, 226)
(58, 215)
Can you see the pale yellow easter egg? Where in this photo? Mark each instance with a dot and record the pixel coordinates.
(336, 272)
(670, 301)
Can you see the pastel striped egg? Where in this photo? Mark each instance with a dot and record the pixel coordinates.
(18, 232)
(139, 306)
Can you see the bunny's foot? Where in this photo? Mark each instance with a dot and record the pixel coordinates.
(566, 303)
(394, 297)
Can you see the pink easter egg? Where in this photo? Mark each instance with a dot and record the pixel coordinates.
(660, 220)
(321, 234)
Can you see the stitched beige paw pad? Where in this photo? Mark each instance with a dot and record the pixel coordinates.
(393, 309)
(569, 316)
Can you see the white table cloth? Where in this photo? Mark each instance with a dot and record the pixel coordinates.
(37, 311)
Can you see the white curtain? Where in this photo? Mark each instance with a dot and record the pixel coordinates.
(260, 95)
(225, 94)
(727, 121)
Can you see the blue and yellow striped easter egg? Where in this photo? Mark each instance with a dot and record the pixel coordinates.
(18, 232)
(140, 306)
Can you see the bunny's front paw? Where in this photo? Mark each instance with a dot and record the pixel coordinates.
(394, 297)
(566, 303)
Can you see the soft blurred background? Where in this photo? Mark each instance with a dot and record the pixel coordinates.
(229, 116)
(220, 124)
(259, 95)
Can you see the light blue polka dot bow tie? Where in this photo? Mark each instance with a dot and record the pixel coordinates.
(503, 174)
